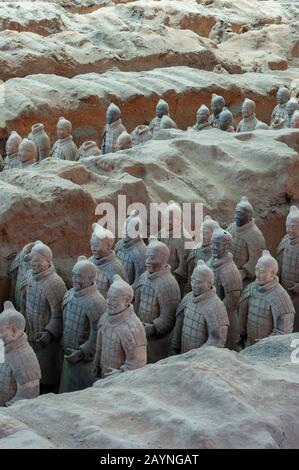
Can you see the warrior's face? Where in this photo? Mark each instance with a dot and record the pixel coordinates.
(100, 247)
(154, 260)
(38, 263)
(117, 301)
(293, 229)
(200, 283)
(264, 273)
(112, 116)
(219, 247)
(282, 96)
(63, 130)
(161, 110)
(202, 116)
(242, 216)
(217, 106)
(81, 279)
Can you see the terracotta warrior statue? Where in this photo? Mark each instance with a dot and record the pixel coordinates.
(295, 120)
(41, 139)
(228, 281)
(217, 105)
(88, 149)
(204, 250)
(130, 250)
(123, 142)
(280, 110)
(82, 308)
(157, 296)
(288, 260)
(20, 372)
(202, 119)
(291, 107)
(65, 147)
(141, 134)
(41, 305)
(18, 272)
(175, 236)
(167, 123)
(249, 120)
(201, 317)
(225, 121)
(12, 159)
(27, 153)
(248, 241)
(162, 109)
(104, 258)
(112, 129)
(265, 308)
(121, 340)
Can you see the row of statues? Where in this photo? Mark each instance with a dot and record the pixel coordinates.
(21, 153)
(132, 303)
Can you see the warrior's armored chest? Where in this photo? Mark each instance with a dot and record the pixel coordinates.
(75, 324)
(149, 305)
(194, 333)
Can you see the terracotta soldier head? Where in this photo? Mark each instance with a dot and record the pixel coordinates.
(84, 274)
(27, 151)
(283, 95)
(64, 128)
(221, 243)
(266, 268)
(113, 113)
(102, 241)
(203, 114)
(292, 223)
(156, 256)
(292, 106)
(243, 212)
(248, 108)
(217, 104)
(295, 120)
(202, 279)
(124, 141)
(120, 296)
(41, 257)
(13, 142)
(132, 226)
(208, 227)
(167, 123)
(162, 109)
(12, 323)
(225, 120)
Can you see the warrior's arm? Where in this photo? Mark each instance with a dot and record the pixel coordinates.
(249, 267)
(54, 327)
(176, 341)
(243, 316)
(217, 336)
(89, 347)
(165, 321)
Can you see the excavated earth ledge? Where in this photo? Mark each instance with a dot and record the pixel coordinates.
(204, 399)
(84, 99)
